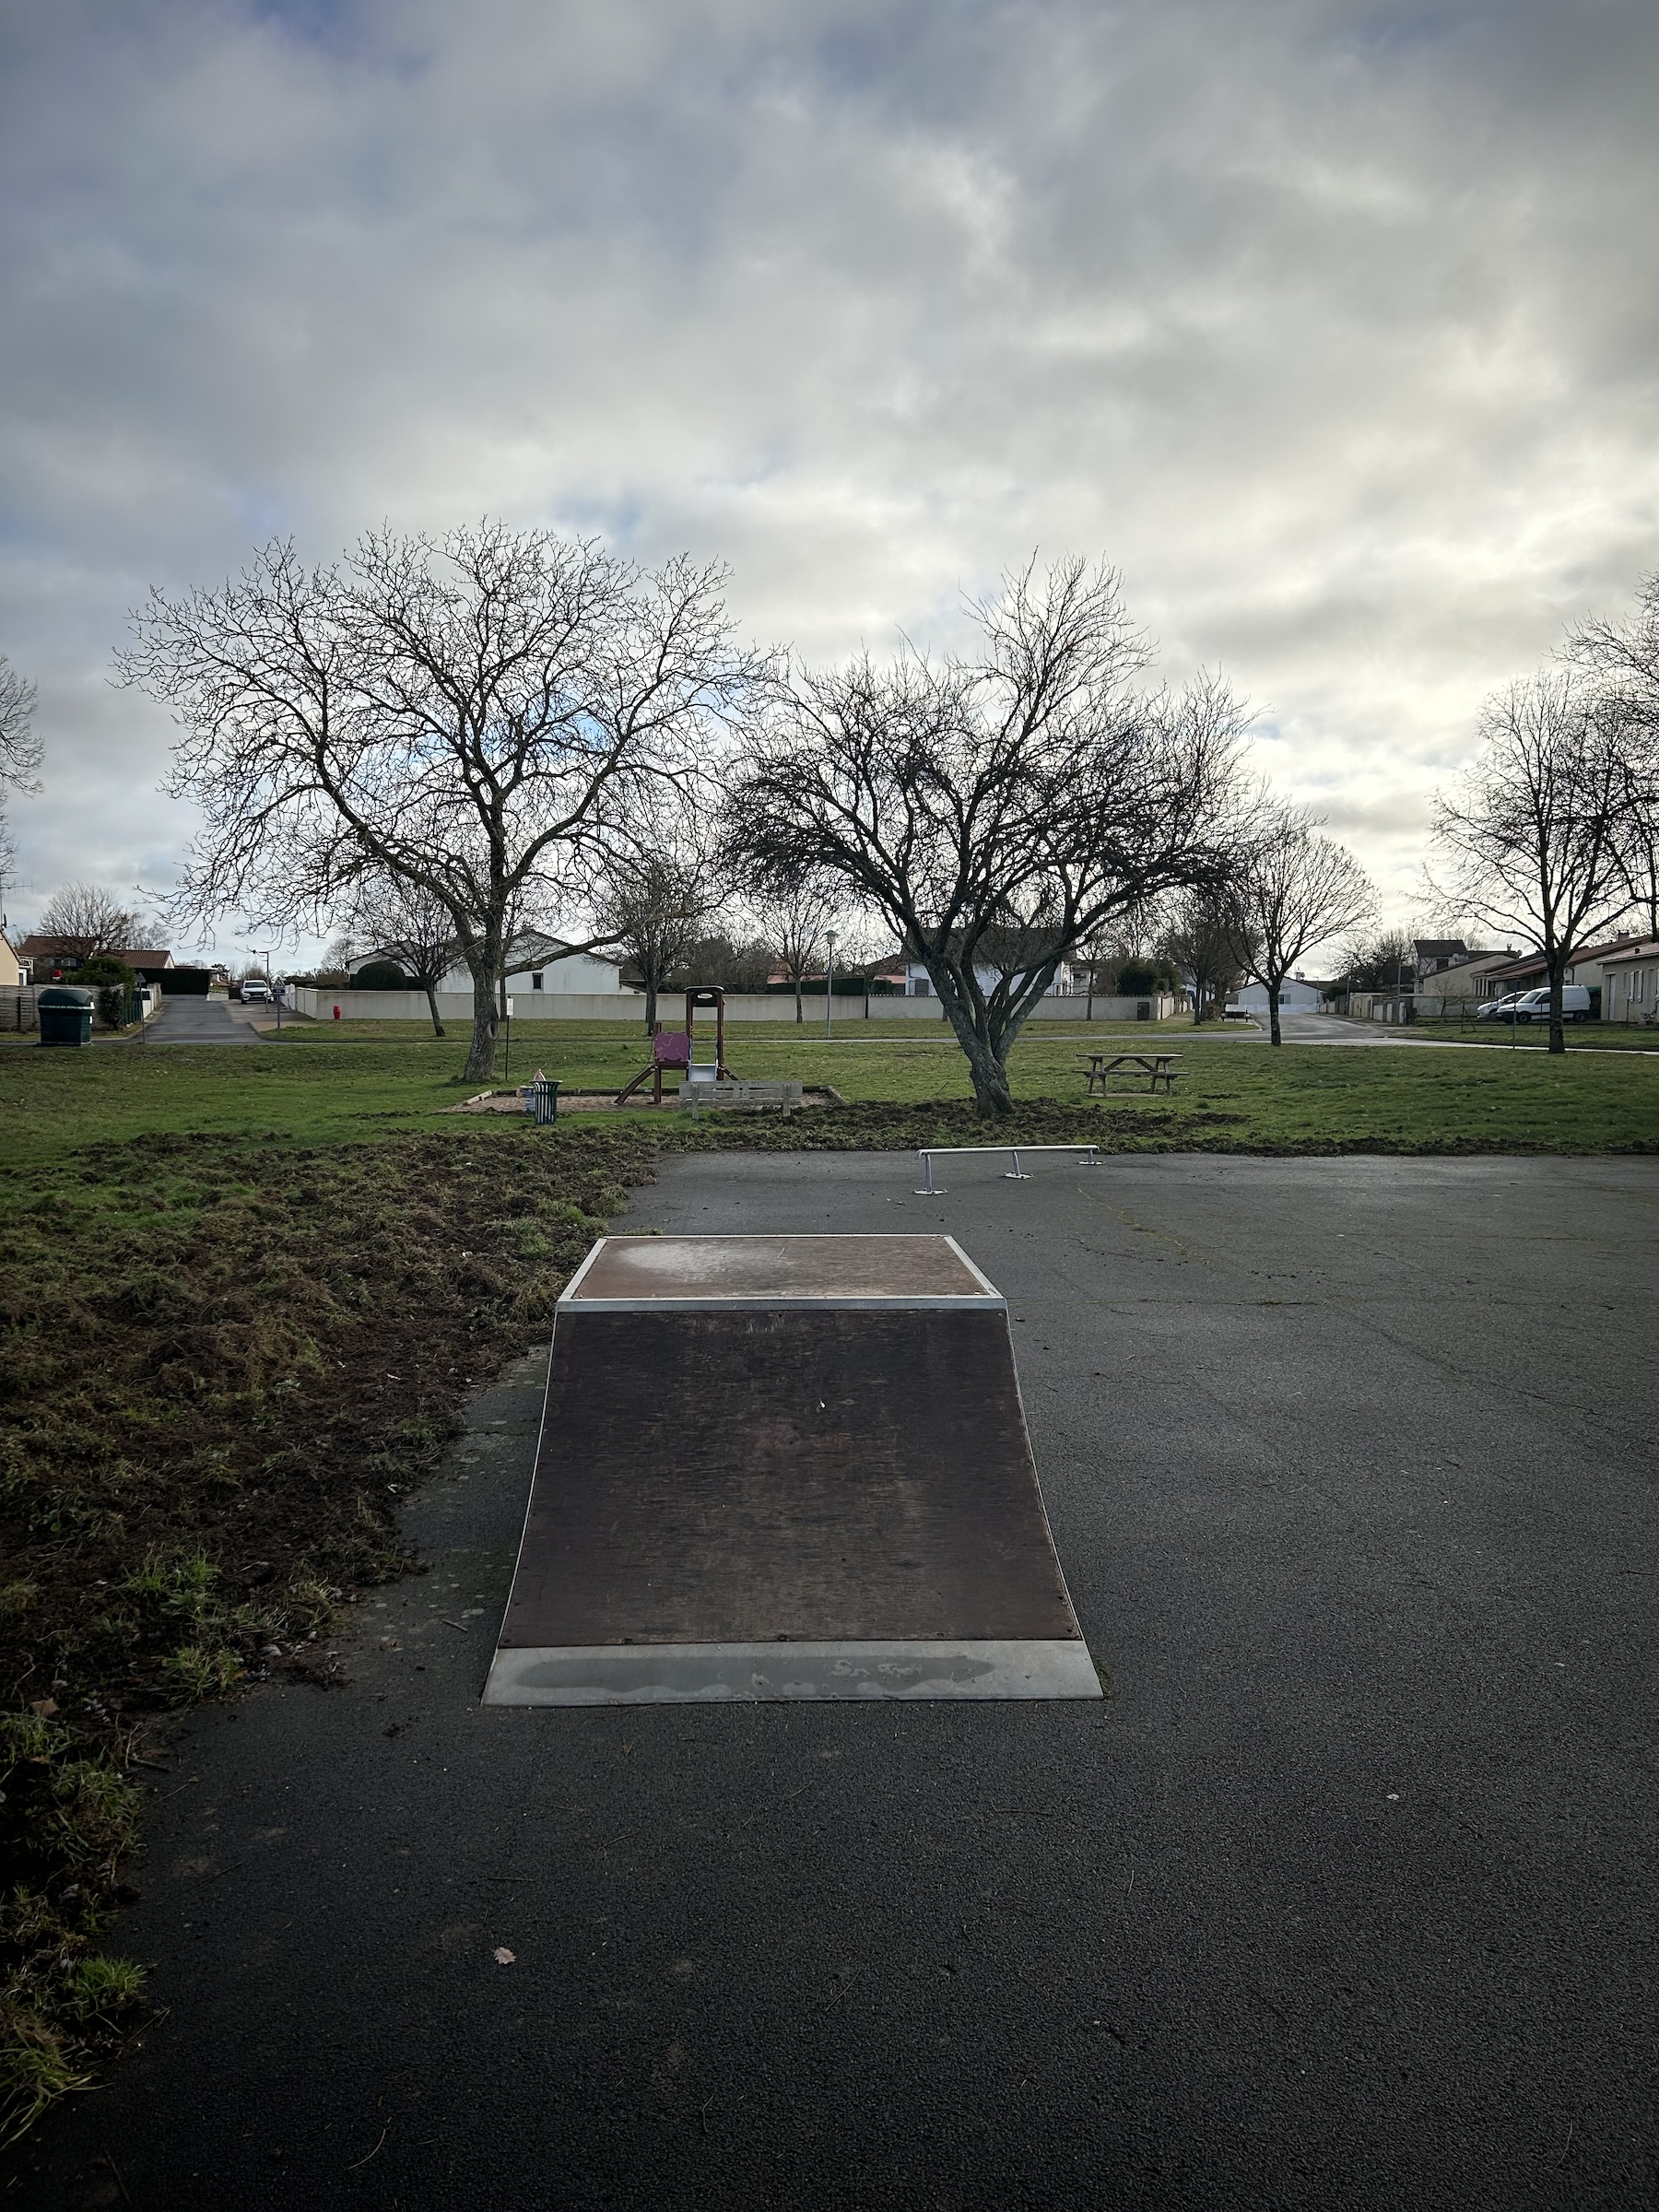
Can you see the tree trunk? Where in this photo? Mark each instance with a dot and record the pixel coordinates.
(651, 999)
(431, 999)
(480, 1059)
(1273, 1013)
(1558, 1031)
(985, 1064)
(800, 1013)
(990, 1092)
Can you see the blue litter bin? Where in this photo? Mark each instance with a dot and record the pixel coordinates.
(65, 1013)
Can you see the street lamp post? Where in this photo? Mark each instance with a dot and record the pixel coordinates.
(270, 983)
(829, 981)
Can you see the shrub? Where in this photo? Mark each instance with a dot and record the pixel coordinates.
(381, 975)
(113, 980)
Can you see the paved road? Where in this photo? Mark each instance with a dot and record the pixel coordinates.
(202, 1022)
(1345, 1899)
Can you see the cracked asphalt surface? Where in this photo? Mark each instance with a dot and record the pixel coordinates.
(1344, 1899)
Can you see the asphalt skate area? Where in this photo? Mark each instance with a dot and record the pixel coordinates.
(1342, 1897)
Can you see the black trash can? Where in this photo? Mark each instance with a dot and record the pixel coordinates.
(65, 1013)
(544, 1101)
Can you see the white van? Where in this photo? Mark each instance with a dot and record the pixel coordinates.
(1534, 1006)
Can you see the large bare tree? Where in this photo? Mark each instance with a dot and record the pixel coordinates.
(1035, 789)
(475, 714)
(1535, 843)
(1291, 890)
(83, 921)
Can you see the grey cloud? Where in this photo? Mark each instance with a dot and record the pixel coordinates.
(1326, 322)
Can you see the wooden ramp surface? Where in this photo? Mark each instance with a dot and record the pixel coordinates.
(785, 1467)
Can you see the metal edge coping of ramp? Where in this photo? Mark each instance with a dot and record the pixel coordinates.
(644, 1668)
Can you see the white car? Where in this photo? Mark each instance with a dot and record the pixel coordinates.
(256, 993)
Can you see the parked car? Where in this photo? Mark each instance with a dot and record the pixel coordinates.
(256, 993)
(1534, 1006)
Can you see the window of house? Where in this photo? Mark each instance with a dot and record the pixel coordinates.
(535, 979)
(924, 988)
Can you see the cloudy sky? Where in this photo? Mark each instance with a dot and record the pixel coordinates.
(1336, 327)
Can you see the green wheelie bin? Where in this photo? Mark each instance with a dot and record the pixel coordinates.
(66, 1012)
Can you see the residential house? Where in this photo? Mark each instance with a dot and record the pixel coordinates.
(1529, 973)
(1452, 977)
(1630, 984)
(14, 974)
(536, 963)
(1297, 995)
(149, 964)
(1071, 979)
(47, 957)
(1431, 955)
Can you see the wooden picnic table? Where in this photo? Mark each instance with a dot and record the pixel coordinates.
(1159, 1067)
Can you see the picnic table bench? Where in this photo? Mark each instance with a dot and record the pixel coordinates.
(1158, 1067)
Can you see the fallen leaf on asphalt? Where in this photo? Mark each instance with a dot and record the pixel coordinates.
(503, 1957)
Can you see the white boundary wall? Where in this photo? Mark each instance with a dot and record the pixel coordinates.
(621, 1006)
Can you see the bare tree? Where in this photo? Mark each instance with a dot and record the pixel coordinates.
(408, 923)
(19, 747)
(1202, 939)
(19, 755)
(1535, 841)
(1034, 788)
(715, 956)
(82, 920)
(475, 714)
(794, 924)
(1291, 891)
(1622, 659)
(1378, 961)
(654, 901)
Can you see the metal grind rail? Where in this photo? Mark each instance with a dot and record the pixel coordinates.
(925, 1153)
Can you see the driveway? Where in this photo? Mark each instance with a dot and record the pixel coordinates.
(202, 1022)
(1343, 1899)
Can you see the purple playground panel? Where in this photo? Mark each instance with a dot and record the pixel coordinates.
(785, 1467)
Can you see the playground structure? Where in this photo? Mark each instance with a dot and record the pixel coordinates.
(674, 1047)
(784, 1468)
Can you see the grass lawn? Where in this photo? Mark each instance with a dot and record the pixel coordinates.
(356, 1082)
(246, 1291)
(1534, 1036)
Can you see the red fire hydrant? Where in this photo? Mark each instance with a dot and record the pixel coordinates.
(336, 1013)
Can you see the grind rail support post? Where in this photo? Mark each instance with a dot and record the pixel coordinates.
(925, 1153)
